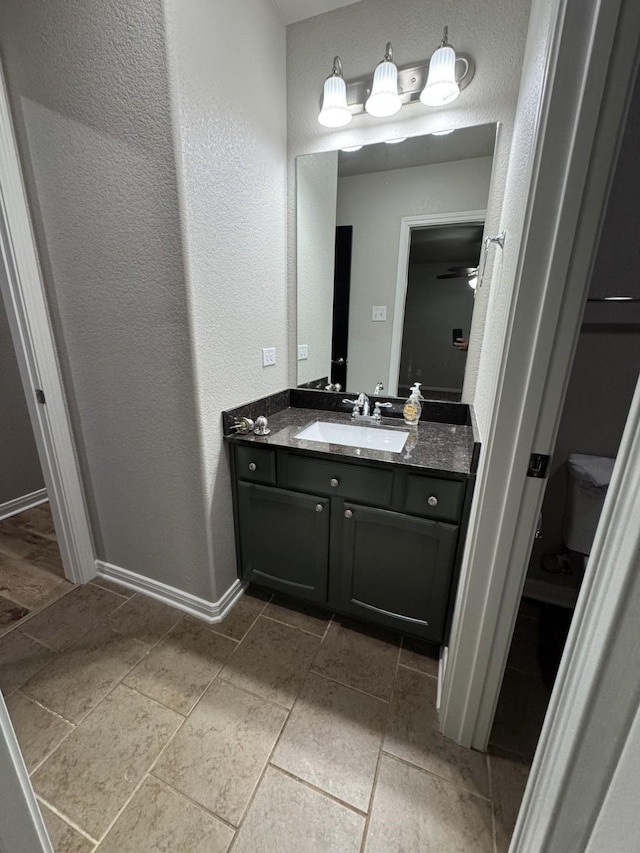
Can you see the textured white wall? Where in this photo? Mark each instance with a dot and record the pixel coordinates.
(374, 204)
(317, 185)
(493, 33)
(20, 471)
(230, 139)
(89, 90)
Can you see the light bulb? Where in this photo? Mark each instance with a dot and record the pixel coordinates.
(384, 99)
(442, 86)
(335, 112)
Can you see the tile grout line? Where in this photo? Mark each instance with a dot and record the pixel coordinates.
(190, 799)
(350, 686)
(297, 627)
(318, 790)
(64, 817)
(436, 776)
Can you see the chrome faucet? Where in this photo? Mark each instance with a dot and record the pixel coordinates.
(360, 406)
(378, 389)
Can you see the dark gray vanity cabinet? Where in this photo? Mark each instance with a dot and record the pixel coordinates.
(284, 540)
(372, 540)
(395, 569)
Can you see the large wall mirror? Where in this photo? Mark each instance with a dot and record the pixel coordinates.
(389, 238)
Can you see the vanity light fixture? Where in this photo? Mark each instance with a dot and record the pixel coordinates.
(396, 141)
(335, 112)
(384, 99)
(442, 86)
(442, 132)
(434, 82)
(351, 148)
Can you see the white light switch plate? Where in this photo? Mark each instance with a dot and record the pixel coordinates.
(303, 352)
(268, 356)
(378, 313)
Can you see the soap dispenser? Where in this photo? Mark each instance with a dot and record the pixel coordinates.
(413, 406)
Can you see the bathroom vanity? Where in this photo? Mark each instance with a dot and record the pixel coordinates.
(370, 533)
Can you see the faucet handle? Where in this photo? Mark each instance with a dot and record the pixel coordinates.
(356, 406)
(378, 405)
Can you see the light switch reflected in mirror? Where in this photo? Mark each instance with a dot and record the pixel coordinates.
(393, 231)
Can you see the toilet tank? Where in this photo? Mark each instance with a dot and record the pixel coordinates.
(589, 478)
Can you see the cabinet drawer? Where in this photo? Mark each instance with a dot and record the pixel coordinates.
(434, 498)
(256, 465)
(323, 477)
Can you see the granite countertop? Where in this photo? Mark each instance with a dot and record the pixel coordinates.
(438, 447)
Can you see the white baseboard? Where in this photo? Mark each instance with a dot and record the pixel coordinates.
(209, 611)
(17, 505)
(442, 666)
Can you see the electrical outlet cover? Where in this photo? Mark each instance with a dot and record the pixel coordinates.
(303, 352)
(378, 313)
(268, 356)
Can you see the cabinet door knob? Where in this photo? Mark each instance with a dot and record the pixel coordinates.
(319, 507)
(348, 513)
(432, 500)
(252, 466)
(334, 482)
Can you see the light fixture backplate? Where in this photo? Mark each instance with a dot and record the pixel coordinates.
(411, 81)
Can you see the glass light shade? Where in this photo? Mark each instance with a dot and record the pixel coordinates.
(396, 141)
(351, 148)
(384, 99)
(441, 87)
(473, 282)
(334, 112)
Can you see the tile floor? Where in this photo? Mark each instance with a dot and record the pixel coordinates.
(279, 729)
(31, 573)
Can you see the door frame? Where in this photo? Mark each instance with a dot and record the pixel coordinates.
(31, 331)
(407, 224)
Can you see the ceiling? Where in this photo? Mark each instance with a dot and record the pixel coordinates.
(460, 244)
(291, 11)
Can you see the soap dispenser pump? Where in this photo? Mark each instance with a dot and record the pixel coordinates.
(413, 406)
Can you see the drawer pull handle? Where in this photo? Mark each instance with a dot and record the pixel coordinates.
(432, 500)
(319, 507)
(252, 466)
(348, 513)
(334, 483)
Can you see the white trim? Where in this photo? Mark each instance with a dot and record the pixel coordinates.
(22, 829)
(210, 611)
(596, 695)
(28, 316)
(17, 505)
(549, 290)
(407, 223)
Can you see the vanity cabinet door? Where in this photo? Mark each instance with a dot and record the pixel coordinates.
(284, 540)
(396, 570)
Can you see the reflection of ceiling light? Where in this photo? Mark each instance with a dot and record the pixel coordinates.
(442, 132)
(618, 298)
(442, 86)
(384, 99)
(334, 112)
(473, 282)
(352, 148)
(395, 141)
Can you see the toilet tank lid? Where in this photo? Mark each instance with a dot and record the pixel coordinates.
(594, 470)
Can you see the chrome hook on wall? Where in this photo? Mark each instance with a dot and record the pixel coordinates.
(499, 240)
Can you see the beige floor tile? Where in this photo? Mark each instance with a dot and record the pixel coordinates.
(357, 659)
(72, 616)
(161, 820)
(64, 838)
(177, 670)
(243, 615)
(93, 773)
(28, 585)
(47, 556)
(37, 730)
(413, 735)
(287, 817)
(415, 811)
(20, 658)
(35, 520)
(508, 779)
(218, 755)
(298, 615)
(84, 673)
(272, 661)
(16, 542)
(420, 656)
(113, 587)
(144, 618)
(332, 739)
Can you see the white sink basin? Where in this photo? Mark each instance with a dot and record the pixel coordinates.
(351, 435)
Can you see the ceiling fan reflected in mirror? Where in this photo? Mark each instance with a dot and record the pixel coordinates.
(470, 273)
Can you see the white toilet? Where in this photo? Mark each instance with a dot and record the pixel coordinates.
(589, 478)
